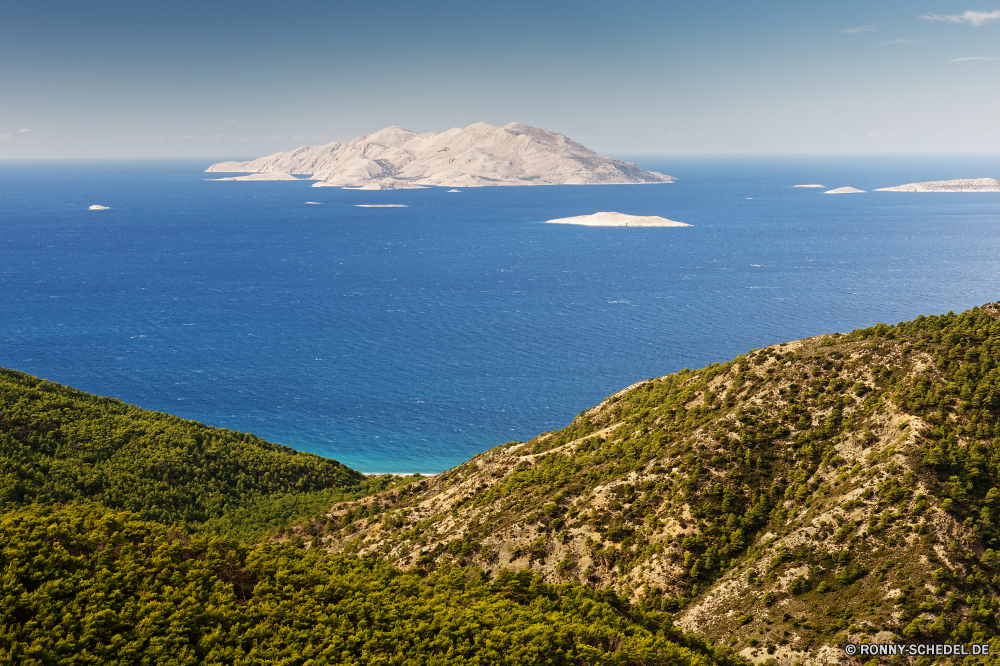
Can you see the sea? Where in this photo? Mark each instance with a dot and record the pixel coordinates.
(409, 339)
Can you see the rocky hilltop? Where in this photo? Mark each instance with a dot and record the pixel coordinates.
(958, 185)
(830, 490)
(477, 155)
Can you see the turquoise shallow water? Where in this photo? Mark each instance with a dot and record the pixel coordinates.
(408, 339)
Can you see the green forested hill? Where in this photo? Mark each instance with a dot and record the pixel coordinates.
(82, 585)
(840, 488)
(110, 553)
(58, 444)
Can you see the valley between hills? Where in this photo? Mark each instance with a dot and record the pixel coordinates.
(771, 509)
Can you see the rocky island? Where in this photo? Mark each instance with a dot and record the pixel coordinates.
(958, 185)
(474, 156)
(618, 220)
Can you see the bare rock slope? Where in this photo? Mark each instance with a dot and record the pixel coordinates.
(477, 155)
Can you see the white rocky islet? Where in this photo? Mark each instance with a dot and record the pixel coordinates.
(957, 185)
(610, 219)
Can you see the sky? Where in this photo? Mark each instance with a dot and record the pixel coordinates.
(227, 79)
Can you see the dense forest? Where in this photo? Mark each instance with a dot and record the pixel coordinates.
(83, 585)
(135, 537)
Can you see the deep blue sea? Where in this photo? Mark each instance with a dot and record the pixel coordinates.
(409, 339)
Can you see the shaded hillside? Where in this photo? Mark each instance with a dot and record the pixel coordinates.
(834, 488)
(58, 444)
(84, 585)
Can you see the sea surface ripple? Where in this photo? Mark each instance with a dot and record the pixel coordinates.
(409, 339)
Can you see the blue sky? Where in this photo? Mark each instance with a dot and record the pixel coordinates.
(243, 79)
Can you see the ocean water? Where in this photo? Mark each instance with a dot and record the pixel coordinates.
(409, 339)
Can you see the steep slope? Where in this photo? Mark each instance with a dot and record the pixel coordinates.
(477, 155)
(834, 488)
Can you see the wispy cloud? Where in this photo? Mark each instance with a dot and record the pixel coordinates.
(880, 135)
(857, 29)
(158, 139)
(6, 137)
(973, 58)
(24, 130)
(255, 138)
(894, 42)
(971, 17)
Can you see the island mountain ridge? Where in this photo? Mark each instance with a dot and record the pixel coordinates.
(475, 156)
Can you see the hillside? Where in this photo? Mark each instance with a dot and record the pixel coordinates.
(806, 494)
(474, 156)
(58, 445)
(813, 493)
(85, 586)
(111, 554)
